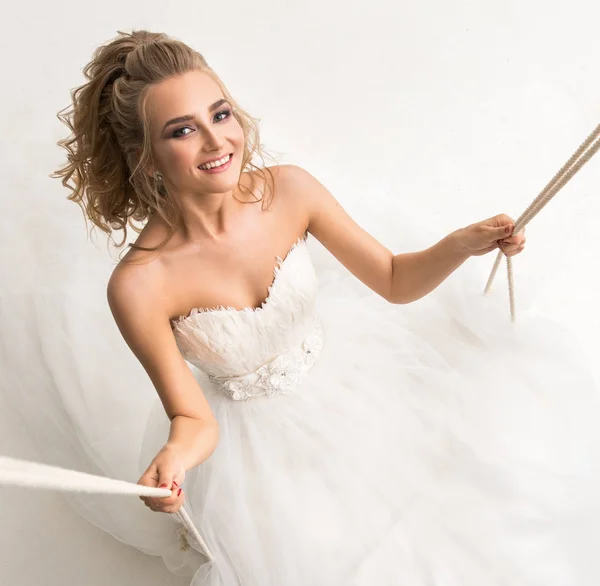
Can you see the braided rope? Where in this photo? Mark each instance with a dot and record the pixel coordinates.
(33, 474)
(552, 188)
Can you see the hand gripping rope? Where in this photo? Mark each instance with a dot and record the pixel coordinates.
(557, 182)
(33, 474)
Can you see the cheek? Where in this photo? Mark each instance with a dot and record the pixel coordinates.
(239, 135)
(183, 155)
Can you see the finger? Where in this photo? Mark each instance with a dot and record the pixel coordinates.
(518, 239)
(165, 501)
(174, 509)
(174, 500)
(176, 506)
(168, 510)
(505, 219)
(166, 477)
(149, 477)
(176, 497)
(165, 481)
(486, 250)
(504, 230)
(509, 249)
(514, 243)
(510, 244)
(515, 250)
(499, 219)
(169, 507)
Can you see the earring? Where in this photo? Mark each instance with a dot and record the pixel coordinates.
(158, 175)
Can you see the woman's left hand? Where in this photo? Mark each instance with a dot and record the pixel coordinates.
(495, 232)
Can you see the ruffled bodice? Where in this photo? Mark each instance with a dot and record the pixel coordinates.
(256, 351)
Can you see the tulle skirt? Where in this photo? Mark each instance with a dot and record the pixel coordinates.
(432, 444)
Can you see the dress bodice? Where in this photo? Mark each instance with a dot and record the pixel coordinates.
(256, 351)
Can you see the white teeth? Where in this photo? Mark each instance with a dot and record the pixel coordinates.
(215, 163)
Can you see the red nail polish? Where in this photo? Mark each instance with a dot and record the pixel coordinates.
(163, 486)
(175, 483)
(179, 492)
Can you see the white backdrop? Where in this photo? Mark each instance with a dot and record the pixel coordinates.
(455, 110)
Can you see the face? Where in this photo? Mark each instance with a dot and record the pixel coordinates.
(191, 124)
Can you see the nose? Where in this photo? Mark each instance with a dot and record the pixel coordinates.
(213, 139)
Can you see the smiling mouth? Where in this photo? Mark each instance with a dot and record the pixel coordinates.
(230, 155)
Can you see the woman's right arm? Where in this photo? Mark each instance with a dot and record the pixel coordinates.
(135, 302)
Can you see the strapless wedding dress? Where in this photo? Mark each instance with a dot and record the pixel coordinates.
(361, 443)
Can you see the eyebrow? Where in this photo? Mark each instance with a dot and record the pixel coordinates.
(187, 117)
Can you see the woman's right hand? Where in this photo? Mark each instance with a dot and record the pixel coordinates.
(165, 471)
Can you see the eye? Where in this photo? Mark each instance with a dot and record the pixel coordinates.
(175, 135)
(225, 113)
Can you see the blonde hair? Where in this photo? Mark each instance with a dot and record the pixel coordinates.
(110, 144)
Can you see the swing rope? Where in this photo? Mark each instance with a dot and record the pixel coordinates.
(33, 474)
(554, 186)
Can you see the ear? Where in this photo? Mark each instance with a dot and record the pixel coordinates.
(149, 170)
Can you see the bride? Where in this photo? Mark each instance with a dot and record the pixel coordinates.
(316, 439)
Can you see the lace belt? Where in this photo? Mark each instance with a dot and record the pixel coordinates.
(280, 376)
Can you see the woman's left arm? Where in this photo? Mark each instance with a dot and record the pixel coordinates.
(400, 278)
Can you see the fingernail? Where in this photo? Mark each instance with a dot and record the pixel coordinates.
(163, 486)
(179, 492)
(507, 230)
(175, 483)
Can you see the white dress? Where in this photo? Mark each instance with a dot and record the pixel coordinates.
(361, 443)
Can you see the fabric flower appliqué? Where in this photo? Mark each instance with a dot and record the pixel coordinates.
(280, 376)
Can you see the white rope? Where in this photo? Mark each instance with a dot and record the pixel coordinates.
(35, 475)
(554, 186)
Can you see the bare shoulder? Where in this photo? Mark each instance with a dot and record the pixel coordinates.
(290, 178)
(139, 275)
(284, 181)
(297, 189)
(299, 185)
(134, 294)
(135, 288)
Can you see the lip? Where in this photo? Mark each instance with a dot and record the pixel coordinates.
(220, 169)
(215, 159)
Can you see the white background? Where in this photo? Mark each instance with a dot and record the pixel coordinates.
(460, 110)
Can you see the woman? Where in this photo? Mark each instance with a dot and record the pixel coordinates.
(319, 440)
